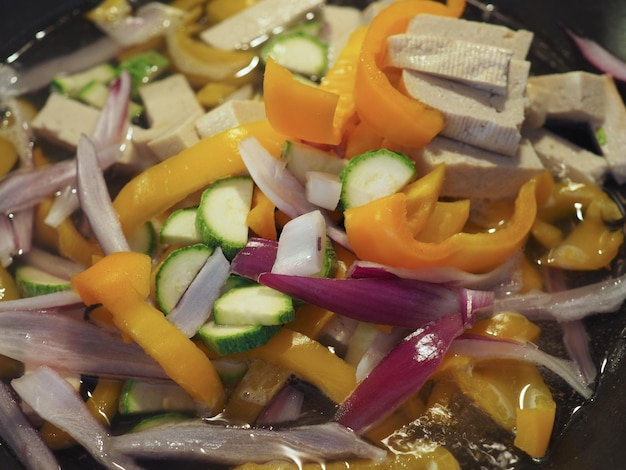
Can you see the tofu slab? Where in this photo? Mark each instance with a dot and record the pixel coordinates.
(474, 116)
(175, 139)
(169, 101)
(567, 160)
(475, 173)
(613, 130)
(473, 31)
(572, 96)
(253, 25)
(228, 115)
(480, 65)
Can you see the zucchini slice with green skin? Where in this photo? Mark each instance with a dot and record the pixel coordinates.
(301, 158)
(375, 174)
(222, 217)
(159, 420)
(230, 370)
(232, 339)
(176, 273)
(144, 239)
(71, 84)
(180, 228)
(32, 281)
(299, 52)
(146, 396)
(253, 305)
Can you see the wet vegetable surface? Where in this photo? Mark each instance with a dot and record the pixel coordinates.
(592, 437)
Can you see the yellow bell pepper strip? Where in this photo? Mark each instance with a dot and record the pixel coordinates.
(218, 10)
(8, 156)
(121, 282)
(310, 361)
(399, 118)
(261, 218)
(421, 198)
(214, 93)
(590, 245)
(310, 320)
(531, 277)
(161, 186)
(110, 11)
(378, 231)
(8, 287)
(547, 234)
(254, 391)
(202, 64)
(447, 219)
(297, 109)
(340, 78)
(360, 138)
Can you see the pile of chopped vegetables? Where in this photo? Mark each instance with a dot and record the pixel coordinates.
(275, 234)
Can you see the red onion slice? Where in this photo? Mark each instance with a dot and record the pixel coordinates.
(53, 264)
(258, 256)
(96, 201)
(576, 341)
(397, 302)
(482, 347)
(56, 339)
(8, 242)
(198, 440)
(56, 301)
(195, 306)
(599, 56)
(285, 406)
(54, 399)
(19, 434)
(400, 374)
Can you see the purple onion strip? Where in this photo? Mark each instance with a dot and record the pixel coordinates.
(576, 341)
(599, 56)
(195, 306)
(20, 435)
(397, 302)
(78, 346)
(95, 199)
(198, 440)
(482, 347)
(54, 399)
(255, 258)
(399, 374)
(54, 302)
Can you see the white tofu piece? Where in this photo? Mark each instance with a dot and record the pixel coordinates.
(613, 130)
(62, 120)
(175, 139)
(475, 173)
(571, 96)
(255, 24)
(475, 116)
(536, 109)
(169, 101)
(566, 160)
(228, 115)
(480, 65)
(473, 31)
(341, 21)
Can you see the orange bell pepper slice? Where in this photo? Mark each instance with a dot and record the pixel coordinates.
(121, 283)
(261, 218)
(161, 186)
(400, 119)
(298, 109)
(379, 232)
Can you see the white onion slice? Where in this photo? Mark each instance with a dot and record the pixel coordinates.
(20, 435)
(96, 201)
(302, 246)
(54, 399)
(195, 306)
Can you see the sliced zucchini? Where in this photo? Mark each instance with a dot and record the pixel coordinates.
(71, 84)
(95, 93)
(223, 213)
(145, 67)
(180, 228)
(147, 396)
(32, 281)
(230, 370)
(375, 174)
(253, 305)
(229, 339)
(176, 273)
(301, 158)
(299, 52)
(144, 239)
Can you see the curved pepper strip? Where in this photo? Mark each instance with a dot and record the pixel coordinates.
(421, 198)
(399, 118)
(297, 109)
(161, 186)
(121, 283)
(379, 232)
